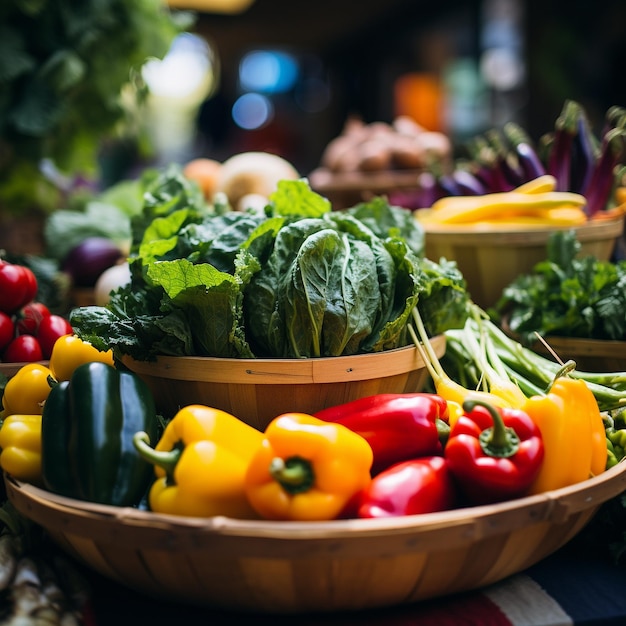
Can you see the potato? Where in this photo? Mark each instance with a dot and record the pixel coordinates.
(436, 144)
(408, 153)
(374, 156)
(405, 125)
(332, 155)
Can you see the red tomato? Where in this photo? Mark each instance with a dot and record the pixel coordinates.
(29, 317)
(18, 286)
(24, 348)
(7, 330)
(30, 280)
(50, 329)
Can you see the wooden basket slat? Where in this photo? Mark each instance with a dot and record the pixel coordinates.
(177, 573)
(479, 558)
(438, 571)
(86, 550)
(531, 538)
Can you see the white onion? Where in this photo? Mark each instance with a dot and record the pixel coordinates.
(112, 278)
(253, 173)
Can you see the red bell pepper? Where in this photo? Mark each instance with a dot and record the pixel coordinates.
(423, 485)
(398, 427)
(494, 453)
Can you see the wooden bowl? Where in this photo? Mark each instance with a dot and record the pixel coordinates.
(490, 258)
(293, 567)
(257, 390)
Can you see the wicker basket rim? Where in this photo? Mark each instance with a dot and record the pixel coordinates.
(69, 515)
(302, 371)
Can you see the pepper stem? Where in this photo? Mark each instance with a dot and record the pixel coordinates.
(443, 430)
(294, 474)
(498, 441)
(165, 459)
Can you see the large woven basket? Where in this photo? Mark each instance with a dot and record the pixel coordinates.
(292, 567)
(257, 390)
(491, 258)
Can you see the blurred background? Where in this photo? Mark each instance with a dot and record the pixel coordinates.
(284, 77)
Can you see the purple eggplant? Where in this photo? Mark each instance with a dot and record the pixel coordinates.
(487, 167)
(506, 161)
(527, 155)
(584, 154)
(468, 184)
(603, 178)
(560, 158)
(449, 185)
(423, 196)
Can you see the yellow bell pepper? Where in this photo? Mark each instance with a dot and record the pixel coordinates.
(573, 434)
(307, 469)
(70, 351)
(27, 391)
(20, 445)
(200, 463)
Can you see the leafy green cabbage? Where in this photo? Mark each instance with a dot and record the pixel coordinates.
(299, 281)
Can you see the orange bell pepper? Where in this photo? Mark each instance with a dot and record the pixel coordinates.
(307, 469)
(573, 434)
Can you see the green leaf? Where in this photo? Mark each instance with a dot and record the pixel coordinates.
(295, 197)
(385, 220)
(208, 298)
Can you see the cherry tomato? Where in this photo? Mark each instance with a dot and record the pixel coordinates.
(18, 286)
(7, 330)
(50, 329)
(24, 348)
(29, 317)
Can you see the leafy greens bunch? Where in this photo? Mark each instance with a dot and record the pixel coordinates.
(567, 295)
(300, 280)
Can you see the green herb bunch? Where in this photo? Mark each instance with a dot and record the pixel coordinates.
(567, 295)
(64, 66)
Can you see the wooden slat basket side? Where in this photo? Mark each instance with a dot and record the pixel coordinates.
(257, 390)
(296, 567)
